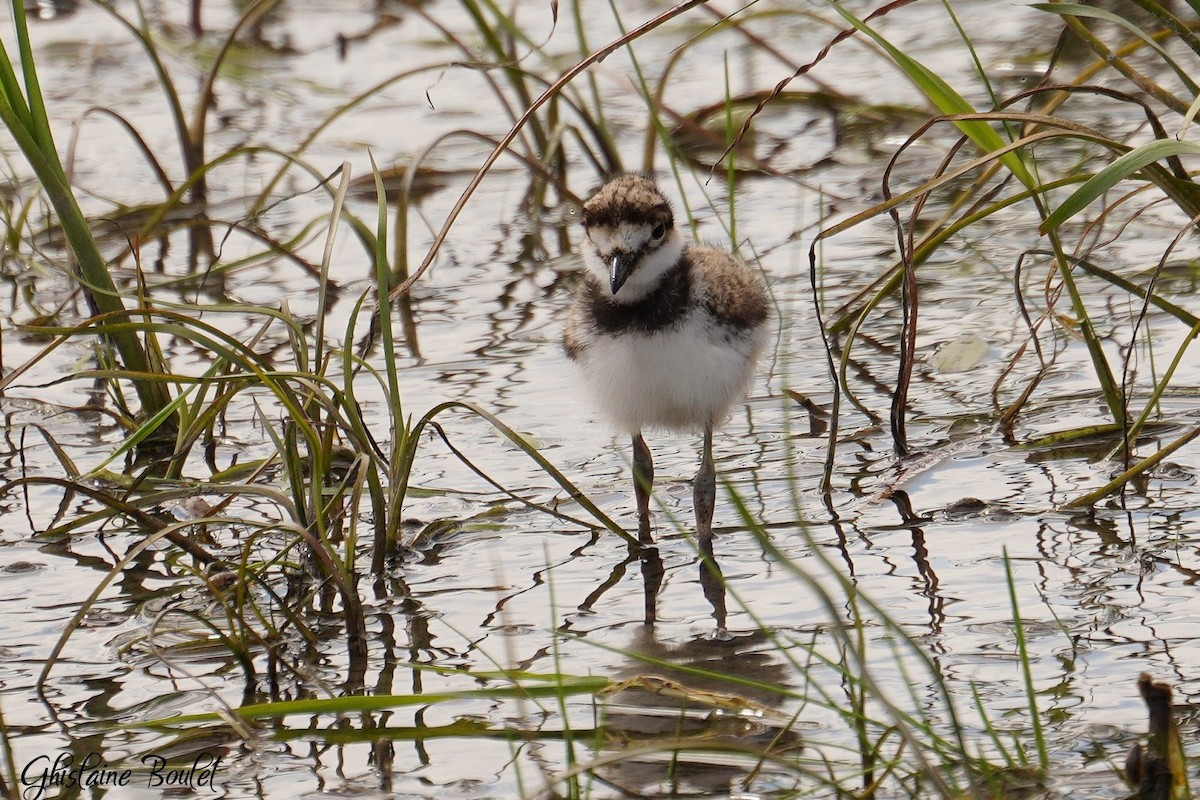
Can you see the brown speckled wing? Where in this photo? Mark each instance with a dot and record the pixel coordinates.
(573, 343)
(730, 291)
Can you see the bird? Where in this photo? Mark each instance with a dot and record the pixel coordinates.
(665, 333)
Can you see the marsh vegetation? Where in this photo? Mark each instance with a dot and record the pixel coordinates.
(294, 473)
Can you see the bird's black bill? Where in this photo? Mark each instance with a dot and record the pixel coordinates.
(619, 270)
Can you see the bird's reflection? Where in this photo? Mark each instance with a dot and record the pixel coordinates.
(652, 577)
(712, 583)
(676, 698)
(679, 700)
(650, 561)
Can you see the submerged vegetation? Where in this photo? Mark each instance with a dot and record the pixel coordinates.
(254, 482)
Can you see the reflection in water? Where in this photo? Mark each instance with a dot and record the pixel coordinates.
(651, 563)
(684, 700)
(929, 589)
(51, 9)
(839, 528)
(652, 576)
(614, 577)
(930, 586)
(1107, 529)
(713, 585)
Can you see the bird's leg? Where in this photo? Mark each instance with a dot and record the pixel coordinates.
(704, 498)
(704, 490)
(643, 483)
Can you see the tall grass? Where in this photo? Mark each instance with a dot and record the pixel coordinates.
(1000, 162)
(23, 112)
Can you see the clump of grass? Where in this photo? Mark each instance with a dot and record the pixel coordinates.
(1003, 159)
(327, 465)
(23, 112)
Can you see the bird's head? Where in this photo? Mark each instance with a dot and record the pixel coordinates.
(631, 238)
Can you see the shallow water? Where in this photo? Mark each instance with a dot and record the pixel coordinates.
(1103, 596)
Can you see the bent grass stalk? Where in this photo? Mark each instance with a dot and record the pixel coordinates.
(987, 140)
(1173, 184)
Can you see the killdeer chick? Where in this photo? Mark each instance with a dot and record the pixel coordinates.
(666, 333)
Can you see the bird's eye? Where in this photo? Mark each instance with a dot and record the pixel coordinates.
(659, 231)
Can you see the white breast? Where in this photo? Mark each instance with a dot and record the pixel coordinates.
(678, 379)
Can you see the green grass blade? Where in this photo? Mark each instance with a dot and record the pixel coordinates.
(12, 99)
(1035, 720)
(1114, 173)
(1145, 465)
(341, 705)
(27, 122)
(39, 122)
